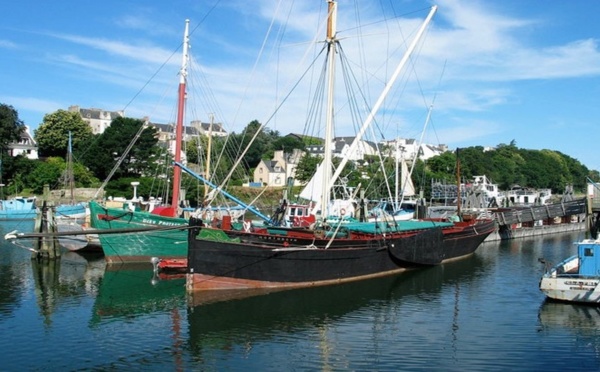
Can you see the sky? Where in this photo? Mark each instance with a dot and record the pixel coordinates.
(485, 72)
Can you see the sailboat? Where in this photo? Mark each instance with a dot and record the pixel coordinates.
(279, 257)
(121, 239)
(71, 211)
(403, 205)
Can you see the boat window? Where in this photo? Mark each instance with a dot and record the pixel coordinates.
(588, 252)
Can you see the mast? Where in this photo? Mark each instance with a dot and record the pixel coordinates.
(70, 176)
(327, 153)
(208, 154)
(458, 190)
(383, 94)
(180, 113)
(396, 179)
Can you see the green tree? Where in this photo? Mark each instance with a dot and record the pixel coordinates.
(287, 144)
(13, 169)
(307, 166)
(103, 152)
(11, 127)
(260, 148)
(46, 172)
(52, 136)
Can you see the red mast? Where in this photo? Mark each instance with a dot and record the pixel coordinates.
(180, 114)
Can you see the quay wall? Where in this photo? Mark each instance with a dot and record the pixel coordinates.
(524, 232)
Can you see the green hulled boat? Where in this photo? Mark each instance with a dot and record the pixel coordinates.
(129, 246)
(138, 246)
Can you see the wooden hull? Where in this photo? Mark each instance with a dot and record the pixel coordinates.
(138, 247)
(251, 261)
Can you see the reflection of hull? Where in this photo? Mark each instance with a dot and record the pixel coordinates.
(254, 319)
(132, 290)
(579, 318)
(77, 267)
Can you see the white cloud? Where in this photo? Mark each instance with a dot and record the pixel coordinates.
(41, 106)
(7, 44)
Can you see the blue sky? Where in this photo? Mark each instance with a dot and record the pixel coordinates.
(494, 71)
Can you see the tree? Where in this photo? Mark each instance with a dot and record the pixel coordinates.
(287, 144)
(102, 154)
(13, 169)
(46, 172)
(52, 136)
(11, 127)
(307, 166)
(260, 147)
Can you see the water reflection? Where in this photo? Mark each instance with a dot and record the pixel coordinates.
(127, 291)
(579, 319)
(71, 276)
(244, 322)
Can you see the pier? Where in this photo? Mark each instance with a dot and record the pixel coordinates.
(518, 222)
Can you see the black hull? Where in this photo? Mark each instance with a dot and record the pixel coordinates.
(254, 263)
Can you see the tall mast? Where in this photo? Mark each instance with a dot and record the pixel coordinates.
(327, 153)
(458, 190)
(208, 155)
(180, 113)
(381, 98)
(70, 176)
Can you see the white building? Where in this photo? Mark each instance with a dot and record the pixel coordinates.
(97, 119)
(26, 146)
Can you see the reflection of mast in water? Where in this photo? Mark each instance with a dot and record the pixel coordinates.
(45, 276)
(176, 318)
(455, 325)
(324, 347)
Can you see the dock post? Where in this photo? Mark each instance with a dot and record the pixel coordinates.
(46, 247)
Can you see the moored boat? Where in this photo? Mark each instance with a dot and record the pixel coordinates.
(286, 258)
(18, 208)
(330, 252)
(142, 247)
(577, 278)
(123, 247)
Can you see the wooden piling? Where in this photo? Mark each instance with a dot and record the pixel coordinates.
(46, 247)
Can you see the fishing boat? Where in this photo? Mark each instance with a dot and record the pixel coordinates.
(280, 257)
(18, 208)
(403, 205)
(123, 246)
(72, 210)
(577, 278)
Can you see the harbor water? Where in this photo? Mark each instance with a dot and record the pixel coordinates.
(481, 313)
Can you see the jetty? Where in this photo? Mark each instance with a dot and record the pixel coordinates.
(518, 222)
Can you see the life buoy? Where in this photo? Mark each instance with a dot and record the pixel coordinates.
(342, 211)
